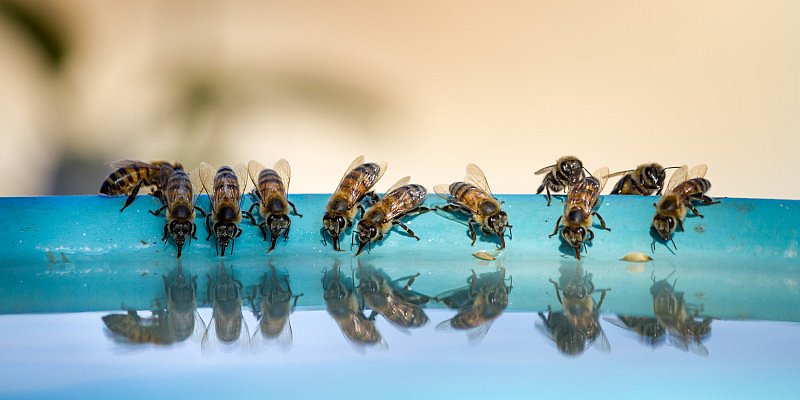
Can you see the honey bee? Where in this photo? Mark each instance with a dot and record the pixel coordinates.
(486, 299)
(400, 200)
(343, 307)
(672, 312)
(580, 308)
(579, 209)
(647, 328)
(182, 318)
(355, 186)
(399, 306)
(563, 175)
(179, 200)
(132, 175)
(558, 328)
(644, 180)
(224, 189)
(683, 188)
(474, 198)
(272, 303)
(271, 189)
(227, 321)
(133, 329)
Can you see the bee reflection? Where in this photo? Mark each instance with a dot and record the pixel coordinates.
(272, 303)
(177, 323)
(398, 304)
(579, 323)
(227, 322)
(678, 317)
(478, 304)
(343, 307)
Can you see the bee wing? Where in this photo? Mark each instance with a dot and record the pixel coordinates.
(212, 343)
(284, 171)
(476, 177)
(409, 200)
(202, 178)
(545, 170)
(619, 173)
(254, 169)
(601, 342)
(258, 342)
(358, 161)
(402, 182)
(370, 180)
(241, 177)
(679, 176)
(443, 190)
(698, 171)
(602, 175)
(476, 335)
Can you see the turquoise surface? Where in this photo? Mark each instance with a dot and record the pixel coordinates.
(68, 254)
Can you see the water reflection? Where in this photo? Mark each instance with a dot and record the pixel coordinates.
(579, 324)
(385, 296)
(272, 301)
(675, 320)
(344, 308)
(478, 304)
(227, 322)
(178, 322)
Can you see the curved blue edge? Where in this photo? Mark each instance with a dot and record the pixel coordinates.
(79, 253)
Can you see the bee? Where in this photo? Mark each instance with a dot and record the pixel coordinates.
(644, 180)
(399, 306)
(131, 328)
(131, 175)
(580, 308)
(271, 188)
(399, 201)
(343, 307)
(558, 328)
(672, 312)
(227, 321)
(179, 200)
(474, 198)
(344, 204)
(579, 209)
(648, 328)
(182, 318)
(563, 175)
(272, 303)
(224, 189)
(484, 301)
(683, 188)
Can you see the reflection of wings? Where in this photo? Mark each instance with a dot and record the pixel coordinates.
(211, 341)
(283, 340)
(284, 171)
(474, 335)
(601, 341)
(602, 175)
(545, 170)
(679, 176)
(648, 330)
(476, 177)
(698, 171)
(254, 169)
(686, 343)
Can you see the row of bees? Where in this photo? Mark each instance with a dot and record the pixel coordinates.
(479, 303)
(354, 196)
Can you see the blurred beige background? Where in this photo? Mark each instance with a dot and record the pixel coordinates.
(426, 86)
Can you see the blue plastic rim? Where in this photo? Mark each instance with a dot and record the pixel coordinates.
(79, 253)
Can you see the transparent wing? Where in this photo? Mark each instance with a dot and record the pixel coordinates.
(545, 170)
(130, 164)
(678, 177)
(619, 173)
(698, 171)
(402, 182)
(476, 177)
(284, 171)
(204, 177)
(409, 199)
(601, 342)
(476, 335)
(254, 169)
(212, 343)
(259, 342)
(355, 192)
(241, 177)
(358, 161)
(602, 175)
(443, 190)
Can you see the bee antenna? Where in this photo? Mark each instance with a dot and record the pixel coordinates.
(673, 243)
(671, 168)
(587, 171)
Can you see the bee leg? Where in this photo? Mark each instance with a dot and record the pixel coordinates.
(558, 291)
(208, 227)
(322, 233)
(555, 231)
(690, 206)
(201, 211)
(591, 235)
(249, 213)
(548, 196)
(409, 280)
(372, 315)
(680, 223)
(294, 209)
(157, 212)
(602, 222)
(166, 233)
(263, 227)
(472, 233)
(132, 195)
(708, 200)
(407, 229)
(602, 297)
(361, 209)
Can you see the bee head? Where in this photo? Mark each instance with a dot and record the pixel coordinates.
(334, 224)
(574, 237)
(498, 223)
(367, 232)
(225, 233)
(572, 168)
(368, 284)
(278, 223)
(336, 290)
(575, 291)
(180, 230)
(664, 226)
(653, 176)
